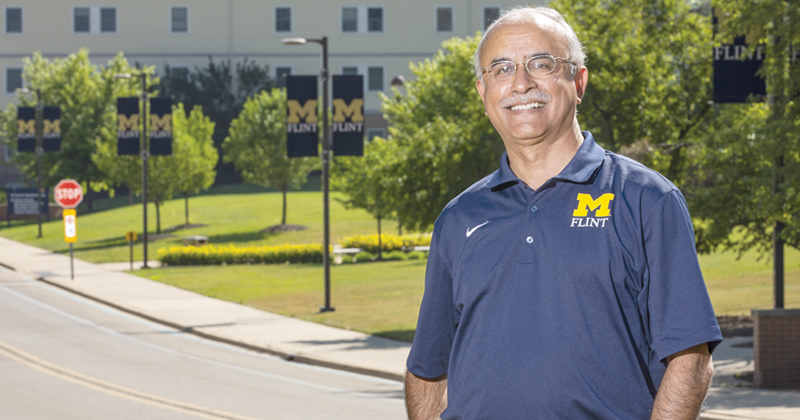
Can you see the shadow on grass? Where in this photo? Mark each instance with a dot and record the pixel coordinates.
(238, 237)
(106, 244)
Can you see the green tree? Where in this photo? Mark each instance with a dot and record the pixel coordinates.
(366, 181)
(199, 157)
(256, 145)
(87, 96)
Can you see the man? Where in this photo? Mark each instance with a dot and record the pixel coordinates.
(565, 284)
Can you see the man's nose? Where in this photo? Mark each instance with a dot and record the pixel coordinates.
(523, 81)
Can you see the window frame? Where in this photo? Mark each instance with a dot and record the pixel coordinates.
(5, 79)
(362, 19)
(275, 73)
(373, 129)
(21, 20)
(96, 20)
(100, 19)
(452, 19)
(341, 20)
(483, 16)
(74, 24)
(172, 8)
(383, 19)
(275, 19)
(367, 79)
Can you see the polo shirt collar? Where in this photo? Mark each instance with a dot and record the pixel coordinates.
(580, 169)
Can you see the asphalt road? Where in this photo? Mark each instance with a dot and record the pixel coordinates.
(66, 357)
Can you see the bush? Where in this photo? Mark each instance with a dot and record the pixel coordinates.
(417, 255)
(228, 254)
(388, 242)
(395, 255)
(363, 256)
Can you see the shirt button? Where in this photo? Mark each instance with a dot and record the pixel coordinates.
(529, 239)
(534, 208)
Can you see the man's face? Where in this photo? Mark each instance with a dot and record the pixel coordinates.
(555, 95)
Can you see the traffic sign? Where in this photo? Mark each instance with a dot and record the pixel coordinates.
(70, 226)
(68, 193)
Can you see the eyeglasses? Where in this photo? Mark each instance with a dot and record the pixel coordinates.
(538, 65)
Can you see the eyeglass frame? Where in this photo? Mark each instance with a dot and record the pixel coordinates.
(485, 70)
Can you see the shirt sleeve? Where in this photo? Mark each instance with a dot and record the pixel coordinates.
(675, 302)
(437, 322)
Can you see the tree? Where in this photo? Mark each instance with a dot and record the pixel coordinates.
(196, 171)
(257, 145)
(87, 96)
(366, 181)
(221, 89)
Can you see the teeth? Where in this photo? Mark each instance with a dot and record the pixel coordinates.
(527, 106)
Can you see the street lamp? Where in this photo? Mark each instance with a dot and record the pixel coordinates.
(326, 146)
(39, 151)
(144, 151)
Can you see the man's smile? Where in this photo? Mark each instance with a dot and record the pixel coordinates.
(525, 107)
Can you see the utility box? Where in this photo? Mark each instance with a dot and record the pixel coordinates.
(195, 240)
(776, 348)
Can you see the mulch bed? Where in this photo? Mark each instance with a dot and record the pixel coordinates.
(736, 326)
(283, 228)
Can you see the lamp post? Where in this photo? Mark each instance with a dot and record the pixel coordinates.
(145, 152)
(326, 147)
(39, 152)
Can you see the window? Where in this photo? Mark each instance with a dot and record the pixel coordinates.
(444, 19)
(349, 19)
(13, 79)
(283, 19)
(375, 19)
(375, 79)
(350, 71)
(179, 72)
(13, 20)
(362, 19)
(108, 19)
(81, 19)
(179, 20)
(375, 132)
(490, 14)
(94, 20)
(280, 75)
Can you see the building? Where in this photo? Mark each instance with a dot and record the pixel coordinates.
(377, 39)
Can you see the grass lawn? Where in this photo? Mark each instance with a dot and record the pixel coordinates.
(232, 217)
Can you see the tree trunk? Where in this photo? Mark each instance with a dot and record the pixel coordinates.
(399, 225)
(380, 245)
(283, 218)
(89, 196)
(130, 196)
(186, 202)
(158, 217)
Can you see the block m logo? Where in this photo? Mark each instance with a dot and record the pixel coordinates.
(342, 110)
(599, 206)
(128, 124)
(26, 126)
(308, 111)
(161, 123)
(52, 126)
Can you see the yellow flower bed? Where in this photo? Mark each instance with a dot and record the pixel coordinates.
(389, 242)
(228, 254)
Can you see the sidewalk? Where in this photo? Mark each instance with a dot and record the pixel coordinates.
(306, 342)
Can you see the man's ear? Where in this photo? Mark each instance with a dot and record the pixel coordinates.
(480, 87)
(581, 79)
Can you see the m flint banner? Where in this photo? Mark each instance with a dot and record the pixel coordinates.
(348, 115)
(735, 65)
(26, 129)
(160, 126)
(128, 126)
(302, 138)
(51, 132)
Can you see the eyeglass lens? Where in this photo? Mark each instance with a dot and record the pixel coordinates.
(537, 66)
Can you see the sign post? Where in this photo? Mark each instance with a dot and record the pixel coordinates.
(131, 238)
(68, 194)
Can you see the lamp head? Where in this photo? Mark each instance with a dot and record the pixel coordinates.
(294, 41)
(123, 76)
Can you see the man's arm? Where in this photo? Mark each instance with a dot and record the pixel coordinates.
(425, 398)
(685, 384)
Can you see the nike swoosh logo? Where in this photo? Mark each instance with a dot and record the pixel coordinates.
(469, 231)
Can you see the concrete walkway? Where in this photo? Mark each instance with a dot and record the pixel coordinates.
(293, 339)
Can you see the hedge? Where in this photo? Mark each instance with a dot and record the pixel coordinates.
(389, 242)
(227, 254)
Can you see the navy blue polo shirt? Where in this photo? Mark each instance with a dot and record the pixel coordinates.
(561, 302)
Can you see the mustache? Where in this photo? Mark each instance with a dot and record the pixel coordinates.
(532, 96)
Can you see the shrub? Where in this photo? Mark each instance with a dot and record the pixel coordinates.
(417, 255)
(363, 256)
(395, 255)
(228, 254)
(388, 242)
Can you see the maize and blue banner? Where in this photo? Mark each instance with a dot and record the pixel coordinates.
(26, 129)
(735, 65)
(128, 126)
(51, 132)
(160, 126)
(302, 137)
(348, 115)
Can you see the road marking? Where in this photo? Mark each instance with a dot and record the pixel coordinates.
(109, 388)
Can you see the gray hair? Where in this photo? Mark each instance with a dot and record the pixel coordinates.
(525, 14)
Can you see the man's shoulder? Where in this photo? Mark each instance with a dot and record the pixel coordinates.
(476, 193)
(632, 176)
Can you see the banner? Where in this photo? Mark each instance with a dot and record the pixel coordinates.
(128, 126)
(160, 126)
(348, 115)
(26, 129)
(302, 138)
(735, 66)
(51, 133)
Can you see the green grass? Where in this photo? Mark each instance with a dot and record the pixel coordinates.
(235, 219)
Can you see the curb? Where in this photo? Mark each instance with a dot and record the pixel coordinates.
(290, 357)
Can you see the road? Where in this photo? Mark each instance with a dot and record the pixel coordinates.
(66, 357)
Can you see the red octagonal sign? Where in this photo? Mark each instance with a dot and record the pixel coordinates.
(68, 193)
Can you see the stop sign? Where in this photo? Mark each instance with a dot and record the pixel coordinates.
(68, 193)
